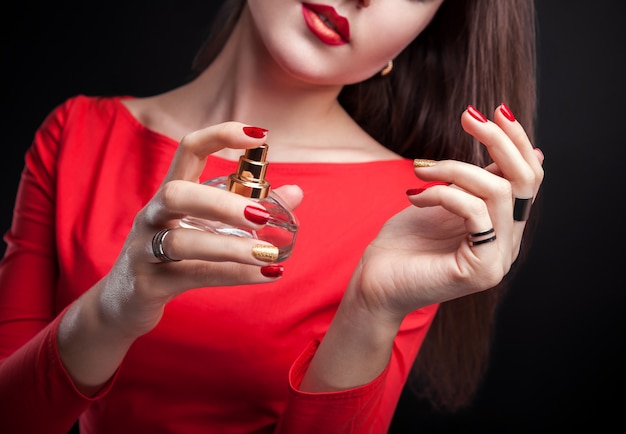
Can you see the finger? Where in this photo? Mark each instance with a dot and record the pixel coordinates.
(193, 150)
(502, 150)
(188, 244)
(493, 168)
(469, 177)
(491, 189)
(539, 155)
(177, 199)
(291, 195)
(505, 119)
(191, 274)
(480, 227)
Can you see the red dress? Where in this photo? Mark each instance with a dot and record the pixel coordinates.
(223, 360)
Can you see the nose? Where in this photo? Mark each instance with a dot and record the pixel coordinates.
(364, 3)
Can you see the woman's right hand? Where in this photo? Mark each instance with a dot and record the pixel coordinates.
(128, 302)
(142, 283)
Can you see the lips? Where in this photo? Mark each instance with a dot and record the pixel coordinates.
(325, 23)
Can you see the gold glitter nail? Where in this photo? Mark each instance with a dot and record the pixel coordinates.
(265, 253)
(419, 162)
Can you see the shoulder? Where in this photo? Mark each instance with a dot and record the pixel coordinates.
(93, 106)
(80, 103)
(78, 108)
(80, 122)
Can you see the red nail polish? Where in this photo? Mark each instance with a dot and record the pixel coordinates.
(414, 191)
(476, 114)
(265, 206)
(255, 132)
(272, 270)
(506, 111)
(256, 215)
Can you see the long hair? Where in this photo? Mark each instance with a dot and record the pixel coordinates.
(479, 52)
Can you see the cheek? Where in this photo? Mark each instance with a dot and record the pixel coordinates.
(374, 52)
(398, 37)
(387, 32)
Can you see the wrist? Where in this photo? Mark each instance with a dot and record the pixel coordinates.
(120, 312)
(371, 303)
(90, 350)
(356, 334)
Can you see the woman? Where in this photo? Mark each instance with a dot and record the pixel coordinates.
(133, 322)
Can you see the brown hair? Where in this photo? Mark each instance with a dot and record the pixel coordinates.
(479, 52)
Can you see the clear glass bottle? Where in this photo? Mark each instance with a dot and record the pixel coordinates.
(249, 181)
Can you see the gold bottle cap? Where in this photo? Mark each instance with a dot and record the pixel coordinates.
(249, 180)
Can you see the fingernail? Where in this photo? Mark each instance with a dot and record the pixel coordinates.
(414, 191)
(476, 114)
(420, 162)
(255, 132)
(418, 190)
(272, 270)
(265, 253)
(506, 111)
(256, 215)
(540, 153)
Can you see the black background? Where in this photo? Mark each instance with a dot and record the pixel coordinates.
(559, 353)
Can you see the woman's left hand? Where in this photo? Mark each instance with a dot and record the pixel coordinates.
(460, 238)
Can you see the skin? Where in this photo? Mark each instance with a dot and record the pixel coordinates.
(280, 77)
(291, 46)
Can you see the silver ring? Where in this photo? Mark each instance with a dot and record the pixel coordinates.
(483, 237)
(157, 246)
(521, 208)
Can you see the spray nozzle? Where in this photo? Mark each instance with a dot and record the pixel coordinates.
(249, 180)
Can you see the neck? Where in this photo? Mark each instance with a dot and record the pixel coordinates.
(245, 84)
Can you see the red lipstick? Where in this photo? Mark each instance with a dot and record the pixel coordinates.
(325, 23)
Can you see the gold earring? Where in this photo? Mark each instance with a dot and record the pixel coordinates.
(387, 69)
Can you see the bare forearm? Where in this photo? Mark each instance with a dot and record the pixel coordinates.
(354, 351)
(90, 347)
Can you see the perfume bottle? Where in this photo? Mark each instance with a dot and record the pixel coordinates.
(249, 181)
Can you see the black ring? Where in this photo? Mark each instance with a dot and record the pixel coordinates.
(157, 246)
(479, 242)
(471, 238)
(480, 234)
(521, 209)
